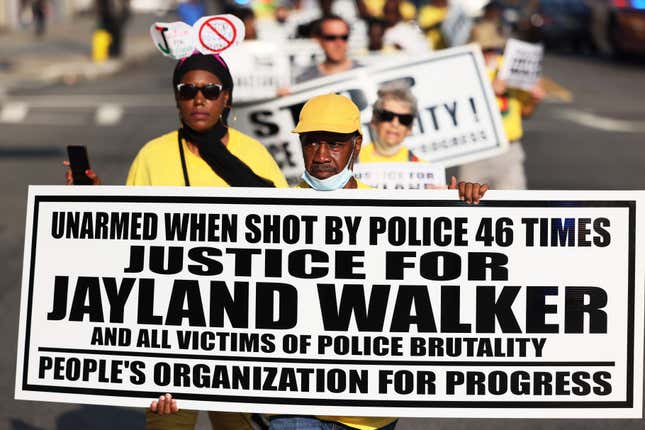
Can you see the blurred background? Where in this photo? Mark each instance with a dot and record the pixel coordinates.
(85, 72)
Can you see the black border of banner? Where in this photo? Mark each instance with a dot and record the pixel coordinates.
(276, 201)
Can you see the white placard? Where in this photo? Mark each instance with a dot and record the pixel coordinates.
(351, 302)
(401, 176)
(258, 69)
(457, 25)
(522, 66)
(458, 120)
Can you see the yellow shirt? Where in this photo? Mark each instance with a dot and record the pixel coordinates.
(159, 163)
(510, 107)
(368, 154)
(430, 19)
(375, 8)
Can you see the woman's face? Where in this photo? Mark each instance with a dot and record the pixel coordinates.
(200, 113)
(392, 133)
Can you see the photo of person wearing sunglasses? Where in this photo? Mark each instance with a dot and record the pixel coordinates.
(393, 114)
(204, 151)
(332, 33)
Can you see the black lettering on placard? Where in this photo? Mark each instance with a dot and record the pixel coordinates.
(152, 338)
(158, 262)
(146, 303)
(88, 290)
(406, 382)
(243, 257)
(287, 306)
(417, 296)
(111, 336)
(275, 229)
(346, 264)
(201, 227)
(207, 266)
(301, 263)
(441, 231)
(185, 291)
(137, 377)
(334, 231)
(537, 309)
(585, 300)
(479, 263)
(265, 128)
(236, 307)
(520, 382)
(73, 369)
(337, 314)
(604, 238)
(450, 310)
(566, 232)
(100, 225)
(488, 309)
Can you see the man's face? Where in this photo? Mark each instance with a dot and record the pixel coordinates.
(333, 38)
(326, 154)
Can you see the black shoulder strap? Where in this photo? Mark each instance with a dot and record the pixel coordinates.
(183, 159)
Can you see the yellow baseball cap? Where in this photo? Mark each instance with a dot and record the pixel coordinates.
(329, 112)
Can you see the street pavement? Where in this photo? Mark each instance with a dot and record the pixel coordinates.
(589, 134)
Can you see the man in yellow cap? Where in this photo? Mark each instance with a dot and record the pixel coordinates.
(330, 134)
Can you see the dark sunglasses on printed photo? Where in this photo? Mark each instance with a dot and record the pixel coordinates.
(333, 37)
(189, 91)
(387, 116)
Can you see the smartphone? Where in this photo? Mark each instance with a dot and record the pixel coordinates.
(79, 163)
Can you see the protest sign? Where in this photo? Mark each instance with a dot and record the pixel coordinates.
(350, 302)
(401, 176)
(457, 24)
(258, 69)
(458, 119)
(522, 64)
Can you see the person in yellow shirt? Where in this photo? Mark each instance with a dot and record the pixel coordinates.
(430, 18)
(203, 152)
(329, 128)
(505, 171)
(393, 114)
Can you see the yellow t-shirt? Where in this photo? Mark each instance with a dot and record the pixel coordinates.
(375, 8)
(368, 154)
(159, 163)
(430, 19)
(510, 107)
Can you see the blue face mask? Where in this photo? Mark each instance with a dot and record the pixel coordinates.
(335, 182)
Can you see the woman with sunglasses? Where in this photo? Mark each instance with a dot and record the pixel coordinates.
(392, 117)
(204, 151)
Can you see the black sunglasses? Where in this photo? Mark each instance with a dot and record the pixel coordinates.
(332, 37)
(387, 116)
(189, 91)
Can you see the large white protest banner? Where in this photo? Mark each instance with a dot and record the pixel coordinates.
(458, 120)
(522, 64)
(354, 302)
(401, 176)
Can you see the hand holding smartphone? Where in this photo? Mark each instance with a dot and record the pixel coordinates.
(79, 163)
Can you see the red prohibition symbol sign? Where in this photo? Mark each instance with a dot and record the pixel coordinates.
(217, 34)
